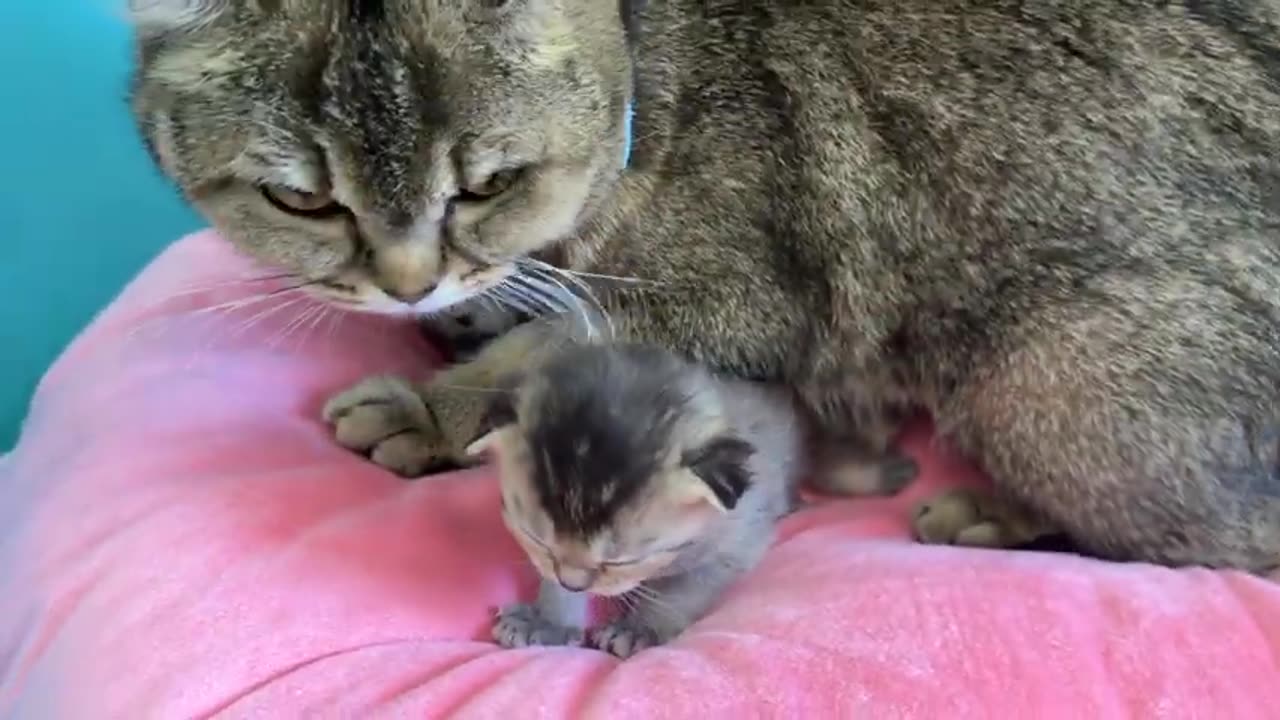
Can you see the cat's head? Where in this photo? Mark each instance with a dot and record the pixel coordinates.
(614, 461)
(396, 154)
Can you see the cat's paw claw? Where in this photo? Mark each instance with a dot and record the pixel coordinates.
(386, 418)
(522, 625)
(623, 639)
(974, 518)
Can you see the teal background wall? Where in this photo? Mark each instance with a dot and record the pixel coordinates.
(82, 207)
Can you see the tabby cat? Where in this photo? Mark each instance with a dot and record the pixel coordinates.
(1053, 224)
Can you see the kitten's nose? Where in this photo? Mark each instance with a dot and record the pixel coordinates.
(409, 297)
(574, 579)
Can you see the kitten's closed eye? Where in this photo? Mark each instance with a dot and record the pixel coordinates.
(303, 204)
(624, 562)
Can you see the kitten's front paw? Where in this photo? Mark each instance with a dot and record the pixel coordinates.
(975, 518)
(624, 637)
(522, 626)
(386, 418)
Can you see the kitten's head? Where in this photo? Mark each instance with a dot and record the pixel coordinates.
(398, 154)
(614, 460)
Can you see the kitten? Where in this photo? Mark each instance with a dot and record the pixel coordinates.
(627, 472)
(1051, 224)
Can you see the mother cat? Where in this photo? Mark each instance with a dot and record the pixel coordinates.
(1054, 224)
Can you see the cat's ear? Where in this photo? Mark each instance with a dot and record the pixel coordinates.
(500, 415)
(154, 17)
(721, 465)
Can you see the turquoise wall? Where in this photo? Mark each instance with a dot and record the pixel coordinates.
(83, 209)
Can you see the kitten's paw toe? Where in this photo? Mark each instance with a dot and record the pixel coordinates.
(521, 625)
(623, 639)
(386, 418)
(974, 518)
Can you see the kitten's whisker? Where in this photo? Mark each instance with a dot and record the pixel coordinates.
(655, 602)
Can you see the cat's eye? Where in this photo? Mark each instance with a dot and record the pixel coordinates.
(492, 186)
(305, 204)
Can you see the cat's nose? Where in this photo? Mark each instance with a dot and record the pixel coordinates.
(575, 580)
(409, 296)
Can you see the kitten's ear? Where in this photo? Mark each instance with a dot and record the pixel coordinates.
(721, 464)
(154, 17)
(500, 415)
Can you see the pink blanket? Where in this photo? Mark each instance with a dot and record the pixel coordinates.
(180, 538)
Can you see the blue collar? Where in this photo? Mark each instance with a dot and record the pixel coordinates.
(626, 147)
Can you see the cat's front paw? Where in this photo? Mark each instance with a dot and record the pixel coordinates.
(975, 518)
(522, 625)
(385, 417)
(624, 637)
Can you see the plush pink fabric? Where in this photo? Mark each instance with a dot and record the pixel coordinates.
(180, 538)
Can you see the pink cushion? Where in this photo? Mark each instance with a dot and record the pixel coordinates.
(179, 537)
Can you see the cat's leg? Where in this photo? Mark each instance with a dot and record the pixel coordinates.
(411, 428)
(1146, 429)
(850, 469)
(853, 451)
(661, 608)
(977, 518)
(556, 618)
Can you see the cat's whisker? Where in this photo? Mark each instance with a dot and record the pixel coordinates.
(567, 299)
(310, 326)
(262, 315)
(615, 278)
(552, 272)
(564, 299)
(194, 313)
(292, 326)
(212, 287)
(325, 321)
(539, 296)
(511, 297)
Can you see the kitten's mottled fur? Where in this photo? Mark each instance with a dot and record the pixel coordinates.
(629, 472)
(1054, 224)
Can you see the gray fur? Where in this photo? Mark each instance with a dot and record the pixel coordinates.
(600, 467)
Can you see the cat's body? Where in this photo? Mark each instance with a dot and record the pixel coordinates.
(1055, 225)
(629, 472)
